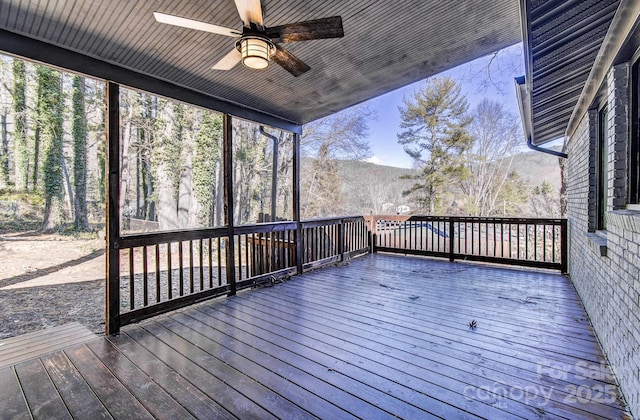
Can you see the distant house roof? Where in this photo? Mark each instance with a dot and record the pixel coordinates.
(387, 45)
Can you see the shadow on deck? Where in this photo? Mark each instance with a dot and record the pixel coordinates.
(386, 336)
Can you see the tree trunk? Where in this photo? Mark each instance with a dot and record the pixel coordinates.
(4, 151)
(563, 184)
(68, 189)
(79, 133)
(20, 129)
(50, 112)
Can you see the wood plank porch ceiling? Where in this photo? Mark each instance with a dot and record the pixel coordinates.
(387, 45)
(385, 337)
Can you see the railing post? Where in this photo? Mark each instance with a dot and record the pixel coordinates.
(374, 234)
(451, 238)
(112, 324)
(227, 163)
(564, 247)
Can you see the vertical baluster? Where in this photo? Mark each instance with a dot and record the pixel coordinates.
(544, 242)
(219, 250)
(486, 238)
(404, 234)
(210, 258)
(246, 255)
(535, 242)
(169, 273)
(518, 241)
(494, 240)
(263, 245)
(320, 232)
(283, 249)
(553, 243)
(239, 256)
(473, 234)
(466, 236)
(145, 278)
(526, 242)
(305, 245)
(157, 273)
(384, 231)
(323, 242)
(201, 261)
(191, 288)
(254, 256)
(181, 272)
(131, 279)
(313, 244)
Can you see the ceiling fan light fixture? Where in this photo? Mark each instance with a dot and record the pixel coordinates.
(255, 52)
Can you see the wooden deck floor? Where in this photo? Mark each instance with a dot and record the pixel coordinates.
(384, 337)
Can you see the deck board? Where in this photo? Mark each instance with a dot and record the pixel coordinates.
(78, 396)
(199, 404)
(12, 402)
(385, 336)
(40, 393)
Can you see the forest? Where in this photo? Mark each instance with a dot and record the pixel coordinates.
(52, 160)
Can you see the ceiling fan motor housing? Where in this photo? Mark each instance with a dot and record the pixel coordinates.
(256, 49)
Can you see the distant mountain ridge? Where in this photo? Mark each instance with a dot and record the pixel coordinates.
(531, 166)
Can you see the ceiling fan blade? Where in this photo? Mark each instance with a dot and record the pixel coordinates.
(330, 27)
(229, 61)
(195, 24)
(289, 62)
(250, 11)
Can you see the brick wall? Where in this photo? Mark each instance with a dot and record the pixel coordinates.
(608, 285)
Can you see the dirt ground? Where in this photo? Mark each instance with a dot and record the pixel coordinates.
(49, 280)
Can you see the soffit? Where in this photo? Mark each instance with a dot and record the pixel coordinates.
(386, 45)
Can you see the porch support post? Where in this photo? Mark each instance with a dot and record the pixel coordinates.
(227, 157)
(112, 310)
(296, 201)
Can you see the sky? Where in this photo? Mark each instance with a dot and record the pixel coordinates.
(475, 85)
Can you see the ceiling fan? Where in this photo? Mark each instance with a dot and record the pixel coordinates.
(258, 44)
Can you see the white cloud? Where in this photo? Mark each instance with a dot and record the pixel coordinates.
(374, 159)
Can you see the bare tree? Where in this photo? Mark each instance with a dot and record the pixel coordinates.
(495, 132)
(339, 136)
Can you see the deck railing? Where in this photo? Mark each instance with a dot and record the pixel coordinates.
(167, 270)
(517, 241)
(163, 271)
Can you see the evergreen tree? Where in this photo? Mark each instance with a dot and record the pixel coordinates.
(435, 134)
(50, 112)
(79, 134)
